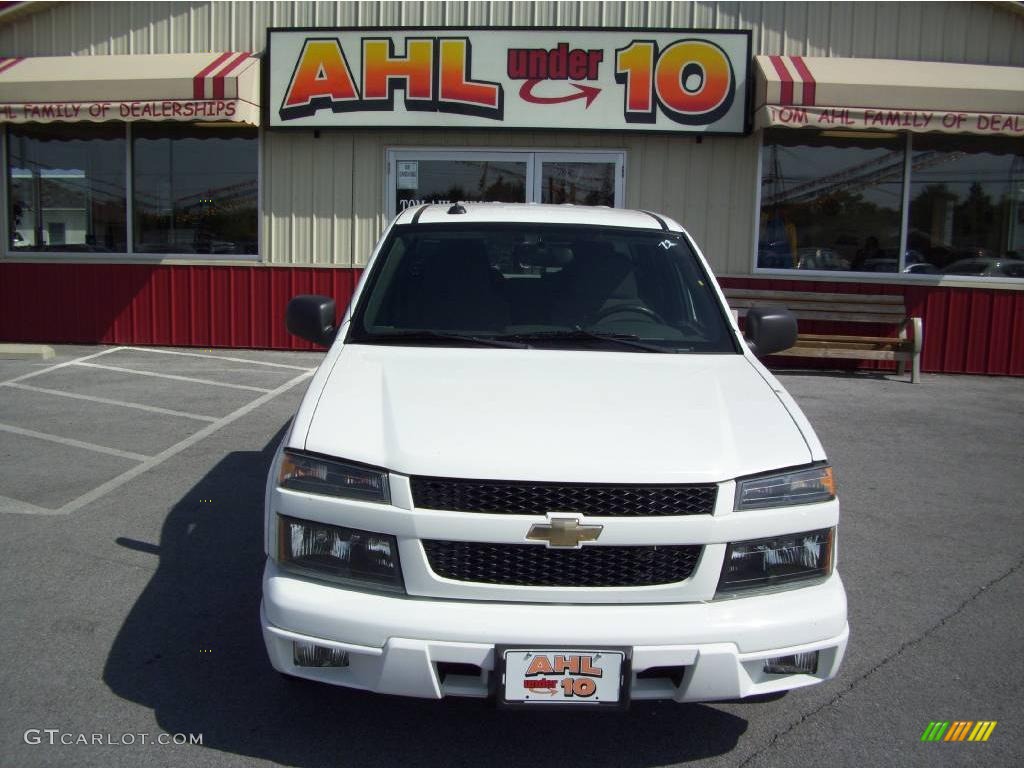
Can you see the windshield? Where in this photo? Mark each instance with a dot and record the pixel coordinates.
(540, 286)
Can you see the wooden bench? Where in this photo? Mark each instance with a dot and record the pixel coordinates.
(843, 308)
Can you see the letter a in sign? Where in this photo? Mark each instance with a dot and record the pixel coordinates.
(322, 79)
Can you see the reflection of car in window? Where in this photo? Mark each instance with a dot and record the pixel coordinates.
(880, 265)
(540, 461)
(820, 258)
(986, 268)
(913, 265)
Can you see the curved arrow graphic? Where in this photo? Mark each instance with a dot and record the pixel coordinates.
(587, 92)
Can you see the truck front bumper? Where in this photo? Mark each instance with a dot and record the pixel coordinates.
(684, 652)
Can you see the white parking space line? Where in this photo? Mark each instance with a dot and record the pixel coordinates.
(19, 507)
(218, 357)
(108, 401)
(172, 377)
(177, 448)
(65, 364)
(72, 443)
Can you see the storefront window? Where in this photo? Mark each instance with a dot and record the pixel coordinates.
(67, 188)
(967, 205)
(831, 202)
(194, 189)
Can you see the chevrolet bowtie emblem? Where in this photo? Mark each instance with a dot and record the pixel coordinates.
(564, 532)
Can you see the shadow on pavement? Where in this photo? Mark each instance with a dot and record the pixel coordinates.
(191, 649)
(849, 375)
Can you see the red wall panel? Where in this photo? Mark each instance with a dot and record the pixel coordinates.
(187, 306)
(967, 330)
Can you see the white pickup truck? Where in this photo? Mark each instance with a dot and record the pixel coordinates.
(540, 462)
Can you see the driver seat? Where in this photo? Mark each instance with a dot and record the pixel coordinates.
(596, 277)
(458, 291)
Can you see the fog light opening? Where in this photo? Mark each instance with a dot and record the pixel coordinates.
(446, 669)
(674, 675)
(306, 654)
(798, 664)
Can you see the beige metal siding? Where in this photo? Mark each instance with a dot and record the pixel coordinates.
(323, 198)
(707, 186)
(970, 32)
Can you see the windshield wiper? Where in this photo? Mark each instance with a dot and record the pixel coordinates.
(399, 337)
(580, 334)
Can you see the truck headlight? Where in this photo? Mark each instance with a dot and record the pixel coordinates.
(314, 474)
(362, 558)
(784, 489)
(778, 560)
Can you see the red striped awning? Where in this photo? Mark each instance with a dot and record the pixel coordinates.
(187, 87)
(889, 95)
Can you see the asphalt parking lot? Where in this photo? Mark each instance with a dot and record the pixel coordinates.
(131, 486)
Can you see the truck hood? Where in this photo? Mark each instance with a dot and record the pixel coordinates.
(553, 415)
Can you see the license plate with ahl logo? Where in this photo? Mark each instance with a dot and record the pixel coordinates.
(563, 676)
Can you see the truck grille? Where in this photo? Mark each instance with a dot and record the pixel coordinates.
(518, 498)
(530, 565)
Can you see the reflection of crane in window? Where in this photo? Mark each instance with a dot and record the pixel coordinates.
(772, 180)
(777, 235)
(868, 175)
(223, 199)
(1015, 183)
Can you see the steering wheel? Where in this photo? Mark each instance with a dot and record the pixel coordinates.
(639, 309)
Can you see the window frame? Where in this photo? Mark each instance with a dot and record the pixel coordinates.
(838, 276)
(533, 158)
(130, 254)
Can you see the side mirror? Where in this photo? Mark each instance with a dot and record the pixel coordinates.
(769, 330)
(312, 318)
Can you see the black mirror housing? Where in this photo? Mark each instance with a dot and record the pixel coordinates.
(769, 330)
(312, 318)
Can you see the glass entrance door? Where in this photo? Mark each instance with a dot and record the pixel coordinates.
(418, 176)
(447, 177)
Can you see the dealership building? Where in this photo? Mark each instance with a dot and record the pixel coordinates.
(176, 171)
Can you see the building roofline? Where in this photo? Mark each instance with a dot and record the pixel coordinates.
(11, 10)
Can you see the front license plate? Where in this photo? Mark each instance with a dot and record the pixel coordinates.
(575, 676)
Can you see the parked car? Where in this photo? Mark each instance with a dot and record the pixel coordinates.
(820, 258)
(986, 267)
(568, 480)
(914, 264)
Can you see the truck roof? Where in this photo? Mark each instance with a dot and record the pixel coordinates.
(535, 213)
